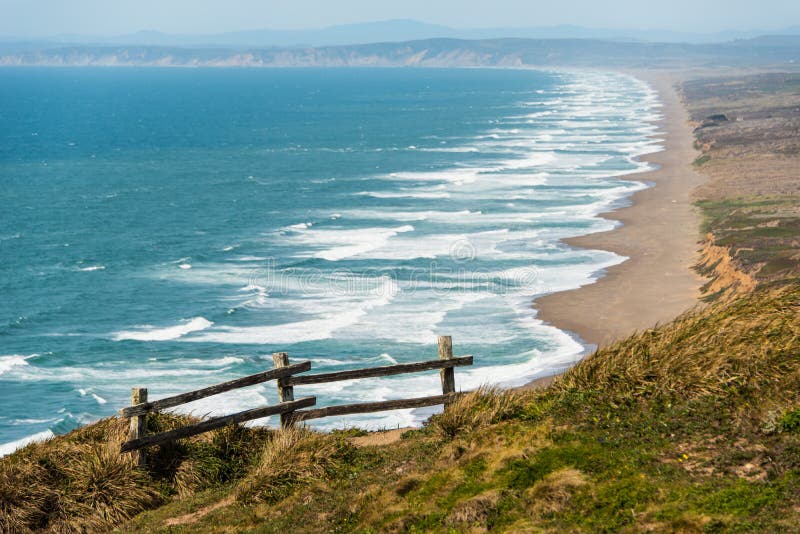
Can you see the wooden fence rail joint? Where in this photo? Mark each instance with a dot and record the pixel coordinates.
(183, 398)
(372, 372)
(216, 422)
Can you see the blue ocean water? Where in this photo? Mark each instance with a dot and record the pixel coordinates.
(171, 228)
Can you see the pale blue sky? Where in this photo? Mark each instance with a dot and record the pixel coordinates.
(112, 17)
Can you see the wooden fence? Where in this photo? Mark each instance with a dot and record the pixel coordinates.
(290, 410)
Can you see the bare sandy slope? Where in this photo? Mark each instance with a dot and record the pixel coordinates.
(660, 235)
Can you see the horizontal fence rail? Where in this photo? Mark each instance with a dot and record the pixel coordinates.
(217, 422)
(372, 372)
(369, 407)
(184, 398)
(446, 364)
(291, 411)
(138, 438)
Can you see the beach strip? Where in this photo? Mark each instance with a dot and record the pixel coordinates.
(660, 236)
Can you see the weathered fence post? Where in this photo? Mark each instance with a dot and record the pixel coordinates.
(448, 373)
(138, 424)
(285, 393)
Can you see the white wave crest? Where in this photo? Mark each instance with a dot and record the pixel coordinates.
(388, 357)
(406, 194)
(339, 244)
(8, 448)
(151, 333)
(329, 318)
(9, 362)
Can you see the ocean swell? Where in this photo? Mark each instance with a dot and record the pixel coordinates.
(356, 245)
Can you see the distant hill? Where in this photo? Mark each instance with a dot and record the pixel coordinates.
(396, 31)
(772, 50)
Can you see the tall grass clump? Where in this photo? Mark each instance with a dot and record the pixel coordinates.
(476, 409)
(292, 457)
(80, 482)
(75, 485)
(188, 466)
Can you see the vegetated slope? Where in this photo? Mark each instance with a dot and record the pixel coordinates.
(692, 426)
(748, 128)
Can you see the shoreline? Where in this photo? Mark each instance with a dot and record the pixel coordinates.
(574, 310)
(659, 235)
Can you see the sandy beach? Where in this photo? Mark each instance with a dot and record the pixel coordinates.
(660, 235)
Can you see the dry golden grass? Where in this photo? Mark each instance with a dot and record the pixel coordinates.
(476, 409)
(81, 485)
(472, 514)
(553, 493)
(290, 457)
(747, 345)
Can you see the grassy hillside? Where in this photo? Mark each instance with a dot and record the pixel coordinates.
(694, 427)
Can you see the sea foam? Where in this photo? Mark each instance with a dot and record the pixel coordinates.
(7, 363)
(8, 448)
(338, 244)
(479, 211)
(152, 333)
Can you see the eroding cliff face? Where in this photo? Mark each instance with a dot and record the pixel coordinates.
(725, 278)
(747, 129)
